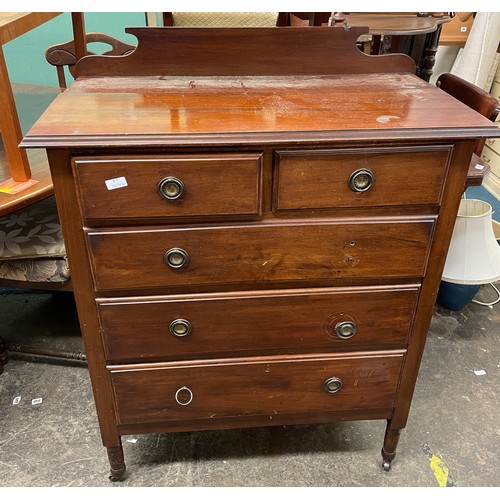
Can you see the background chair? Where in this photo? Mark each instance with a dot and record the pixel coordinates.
(473, 256)
(63, 55)
(482, 102)
(225, 19)
(472, 95)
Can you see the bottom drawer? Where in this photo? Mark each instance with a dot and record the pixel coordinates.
(269, 386)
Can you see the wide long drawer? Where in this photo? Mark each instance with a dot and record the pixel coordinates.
(169, 186)
(360, 178)
(269, 386)
(255, 253)
(186, 327)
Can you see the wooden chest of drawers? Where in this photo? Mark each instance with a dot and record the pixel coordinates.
(241, 254)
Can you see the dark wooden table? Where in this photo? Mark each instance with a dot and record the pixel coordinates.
(417, 36)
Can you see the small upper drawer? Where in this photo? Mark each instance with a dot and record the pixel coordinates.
(181, 186)
(359, 178)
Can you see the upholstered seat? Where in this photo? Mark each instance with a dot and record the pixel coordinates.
(31, 245)
(225, 19)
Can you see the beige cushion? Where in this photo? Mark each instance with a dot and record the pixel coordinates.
(225, 19)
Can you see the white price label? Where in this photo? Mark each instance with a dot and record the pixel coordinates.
(119, 182)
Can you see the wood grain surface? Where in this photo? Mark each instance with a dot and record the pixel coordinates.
(142, 111)
(268, 386)
(253, 253)
(137, 329)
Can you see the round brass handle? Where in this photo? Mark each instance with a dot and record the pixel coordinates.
(176, 258)
(361, 180)
(180, 327)
(184, 396)
(171, 188)
(345, 329)
(332, 385)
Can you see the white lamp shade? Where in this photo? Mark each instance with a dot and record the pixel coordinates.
(474, 253)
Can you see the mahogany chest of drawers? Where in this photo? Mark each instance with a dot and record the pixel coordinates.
(259, 247)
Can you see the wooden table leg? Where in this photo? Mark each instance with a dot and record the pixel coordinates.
(429, 58)
(10, 127)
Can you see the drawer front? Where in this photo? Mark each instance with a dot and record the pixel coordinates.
(204, 325)
(270, 386)
(260, 252)
(493, 144)
(337, 179)
(495, 88)
(129, 188)
(493, 159)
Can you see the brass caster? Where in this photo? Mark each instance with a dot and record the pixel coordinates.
(115, 479)
(117, 475)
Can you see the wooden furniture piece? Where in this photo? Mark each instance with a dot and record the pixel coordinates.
(308, 18)
(63, 55)
(457, 30)
(482, 102)
(254, 241)
(18, 165)
(416, 34)
(491, 150)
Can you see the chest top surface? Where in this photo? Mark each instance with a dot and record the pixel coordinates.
(217, 109)
(269, 101)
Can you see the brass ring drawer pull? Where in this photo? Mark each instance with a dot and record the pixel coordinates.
(176, 258)
(171, 188)
(180, 327)
(345, 330)
(361, 180)
(332, 385)
(184, 396)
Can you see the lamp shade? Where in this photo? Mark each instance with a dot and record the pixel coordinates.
(474, 254)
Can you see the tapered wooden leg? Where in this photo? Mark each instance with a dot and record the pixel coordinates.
(116, 462)
(390, 444)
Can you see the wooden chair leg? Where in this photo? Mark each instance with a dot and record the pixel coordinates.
(47, 352)
(3, 354)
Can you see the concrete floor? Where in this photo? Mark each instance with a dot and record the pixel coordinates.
(453, 424)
